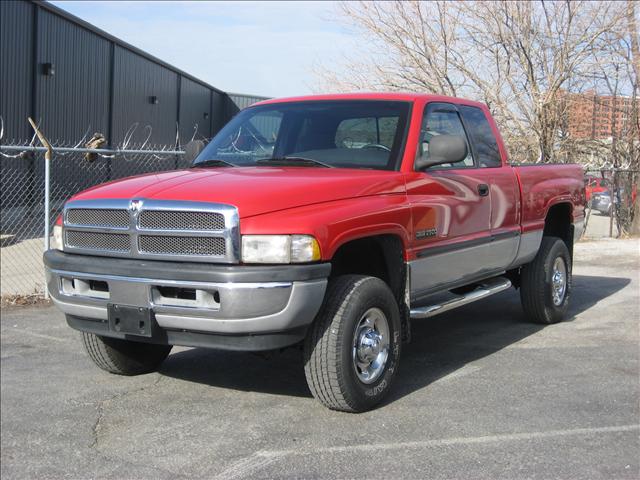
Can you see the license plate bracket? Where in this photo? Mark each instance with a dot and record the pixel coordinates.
(130, 320)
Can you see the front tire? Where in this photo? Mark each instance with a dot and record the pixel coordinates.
(124, 357)
(353, 348)
(546, 283)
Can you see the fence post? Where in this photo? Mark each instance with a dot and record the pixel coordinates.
(612, 193)
(47, 189)
(47, 212)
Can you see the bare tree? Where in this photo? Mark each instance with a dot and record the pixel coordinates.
(634, 42)
(518, 57)
(614, 73)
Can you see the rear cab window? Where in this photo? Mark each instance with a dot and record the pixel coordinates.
(483, 141)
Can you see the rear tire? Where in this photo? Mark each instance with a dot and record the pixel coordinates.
(124, 357)
(546, 283)
(353, 348)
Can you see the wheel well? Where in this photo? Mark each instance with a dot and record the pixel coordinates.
(380, 256)
(558, 224)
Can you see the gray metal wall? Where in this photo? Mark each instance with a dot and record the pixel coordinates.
(101, 84)
(234, 102)
(195, 111)
(77, 96)
(136, 80)
(16, 66)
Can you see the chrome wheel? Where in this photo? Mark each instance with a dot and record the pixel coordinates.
(559, 281)
(371, 345)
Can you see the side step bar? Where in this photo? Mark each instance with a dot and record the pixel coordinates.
(484, 290)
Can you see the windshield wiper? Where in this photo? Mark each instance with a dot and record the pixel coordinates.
(213, 162)
(292, 160)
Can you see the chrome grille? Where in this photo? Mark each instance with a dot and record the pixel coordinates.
(180, 220)
(98, 217)
(143, 228)
(170, 245)
(108, 242)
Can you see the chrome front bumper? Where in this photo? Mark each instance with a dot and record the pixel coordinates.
(238, 303)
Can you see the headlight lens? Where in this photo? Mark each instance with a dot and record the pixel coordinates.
(55, 242)
(279, 249)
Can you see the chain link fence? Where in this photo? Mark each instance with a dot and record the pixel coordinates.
(23, 182)
(611, 202)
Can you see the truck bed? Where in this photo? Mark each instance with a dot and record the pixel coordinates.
(540, 189)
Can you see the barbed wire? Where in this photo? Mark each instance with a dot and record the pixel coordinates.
(123, 149)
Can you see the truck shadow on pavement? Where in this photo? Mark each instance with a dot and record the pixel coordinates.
(440, 346)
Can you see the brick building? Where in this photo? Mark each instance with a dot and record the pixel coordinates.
(592, 116)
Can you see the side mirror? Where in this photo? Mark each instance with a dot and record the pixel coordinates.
(192, 150)
(443, 149)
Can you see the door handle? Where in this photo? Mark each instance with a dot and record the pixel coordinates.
(483, 189)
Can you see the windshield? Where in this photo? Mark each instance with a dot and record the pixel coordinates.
(342, 134)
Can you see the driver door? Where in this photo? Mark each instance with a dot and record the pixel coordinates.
(451, 212)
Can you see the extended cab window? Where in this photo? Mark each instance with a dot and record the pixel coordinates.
(483, 140)
(342, 134)
(442, 119)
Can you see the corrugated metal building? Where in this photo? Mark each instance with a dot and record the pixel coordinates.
(71, 76)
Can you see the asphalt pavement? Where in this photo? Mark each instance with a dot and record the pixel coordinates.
(480, 394)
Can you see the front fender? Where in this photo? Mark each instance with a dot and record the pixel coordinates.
(337, 222)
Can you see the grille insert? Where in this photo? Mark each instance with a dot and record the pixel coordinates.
(108, 242)
(180, 220)
(170, 245)
(98, 217)
(178, 230)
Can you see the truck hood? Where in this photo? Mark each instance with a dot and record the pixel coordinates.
(253, 190)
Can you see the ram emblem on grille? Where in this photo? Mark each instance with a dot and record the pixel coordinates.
(135, 206)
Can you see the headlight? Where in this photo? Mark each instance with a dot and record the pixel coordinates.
(55, 241)
(279, 249)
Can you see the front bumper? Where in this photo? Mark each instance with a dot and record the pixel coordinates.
(219, 301)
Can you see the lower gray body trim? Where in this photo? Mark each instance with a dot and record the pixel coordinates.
(528, 248)
(443, 270)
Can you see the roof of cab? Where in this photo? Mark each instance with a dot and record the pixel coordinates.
(390, 96)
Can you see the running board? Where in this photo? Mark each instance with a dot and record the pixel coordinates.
(484, 290)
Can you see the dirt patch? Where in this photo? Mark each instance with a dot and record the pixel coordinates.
(34, 299)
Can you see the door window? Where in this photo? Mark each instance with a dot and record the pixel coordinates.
(442, 119)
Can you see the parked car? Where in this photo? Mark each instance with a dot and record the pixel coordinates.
(327, 222)
(601, 202)
(594, 185)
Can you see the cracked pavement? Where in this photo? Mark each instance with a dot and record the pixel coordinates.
(480, 394)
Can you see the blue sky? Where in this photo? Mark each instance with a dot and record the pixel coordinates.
(261, 48)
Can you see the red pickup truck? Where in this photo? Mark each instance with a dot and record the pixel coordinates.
(327, 222)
